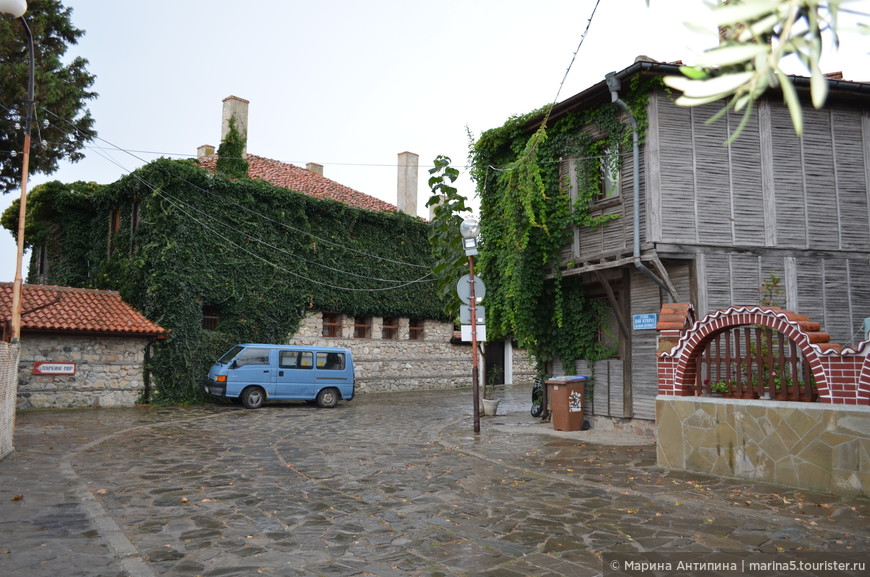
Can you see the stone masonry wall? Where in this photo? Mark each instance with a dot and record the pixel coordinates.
(109, 371)
(403, 364)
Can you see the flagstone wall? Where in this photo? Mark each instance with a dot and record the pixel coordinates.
(822, 446)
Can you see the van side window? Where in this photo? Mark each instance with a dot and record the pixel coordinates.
(253, 357)
(287, 359)
(330, 361)
(306, 360)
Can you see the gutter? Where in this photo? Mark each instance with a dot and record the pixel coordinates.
(614, 85)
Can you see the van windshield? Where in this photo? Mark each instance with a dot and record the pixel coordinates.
(228, 356)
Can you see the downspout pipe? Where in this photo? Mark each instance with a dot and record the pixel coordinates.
(614, 84)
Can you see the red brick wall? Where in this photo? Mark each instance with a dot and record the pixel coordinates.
(842, 374)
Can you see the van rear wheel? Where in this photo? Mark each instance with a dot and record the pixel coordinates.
(253, 397)
(327, 398)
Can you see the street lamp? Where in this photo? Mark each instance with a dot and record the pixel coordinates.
(16, 9)
(470, 230)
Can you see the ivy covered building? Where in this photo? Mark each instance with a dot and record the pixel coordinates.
(584, 241)
(282, 255)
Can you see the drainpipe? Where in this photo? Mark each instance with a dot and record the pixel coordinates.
(613, 84)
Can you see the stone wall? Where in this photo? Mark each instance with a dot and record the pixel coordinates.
(402, 364)
(813, 446)
(109, 371)
(8, 386)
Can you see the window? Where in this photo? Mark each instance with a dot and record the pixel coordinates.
(362, 327)
(252, 356)
(415, 330)
(608, 186)
(210, 318)
(306, 360)
(134, 224)
(331, 361)
(288, 359)
(331, 325)
(114, 227)
(390, 329)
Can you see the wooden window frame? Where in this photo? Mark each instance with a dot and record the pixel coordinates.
(416, 330)
(331, 326)
(390, 329)
(362, 327)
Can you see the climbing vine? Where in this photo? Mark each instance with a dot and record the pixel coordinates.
(527, 216)
(257, 255)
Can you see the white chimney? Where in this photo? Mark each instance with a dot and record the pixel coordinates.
(205, 150)
(235, 107)
(315, 168)
(409, 164)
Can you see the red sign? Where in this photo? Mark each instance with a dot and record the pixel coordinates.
(49, 368)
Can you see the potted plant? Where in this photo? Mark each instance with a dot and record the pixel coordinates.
(490, 403)
(720, 388)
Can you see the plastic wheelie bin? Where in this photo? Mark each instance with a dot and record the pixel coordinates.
(566, 396)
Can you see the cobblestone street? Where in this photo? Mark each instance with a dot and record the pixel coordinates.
(385, 485)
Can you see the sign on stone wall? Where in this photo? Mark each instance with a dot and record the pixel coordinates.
(49, 368)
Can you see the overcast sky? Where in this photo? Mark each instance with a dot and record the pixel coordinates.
(350, 83)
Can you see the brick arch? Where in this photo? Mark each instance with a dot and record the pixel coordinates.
(797, 328)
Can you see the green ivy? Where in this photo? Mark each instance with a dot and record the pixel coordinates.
(527, 218)
(260, 255)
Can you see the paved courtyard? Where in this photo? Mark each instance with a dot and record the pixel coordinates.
(385, 485)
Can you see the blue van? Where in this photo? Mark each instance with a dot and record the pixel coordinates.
(255, 373)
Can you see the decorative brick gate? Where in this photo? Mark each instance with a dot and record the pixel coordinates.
(820, 446)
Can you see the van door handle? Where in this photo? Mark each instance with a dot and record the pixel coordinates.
(280, 373)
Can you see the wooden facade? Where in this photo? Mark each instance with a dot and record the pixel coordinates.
(717, 223)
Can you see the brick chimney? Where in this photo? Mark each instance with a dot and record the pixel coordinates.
(409, 164)
(235, 107)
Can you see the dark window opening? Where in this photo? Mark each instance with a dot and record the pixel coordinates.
(210, 318)
(415, 330)
(390, 329)
(362, 327)
(331, 325)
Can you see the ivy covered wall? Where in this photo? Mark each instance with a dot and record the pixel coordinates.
(173, 239)
(527, 217)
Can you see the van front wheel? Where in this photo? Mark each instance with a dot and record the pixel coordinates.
(253, 397)
(327, 398)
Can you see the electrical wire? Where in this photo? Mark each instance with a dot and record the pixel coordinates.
(250, 211)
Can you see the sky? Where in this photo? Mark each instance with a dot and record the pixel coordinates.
(349, 84)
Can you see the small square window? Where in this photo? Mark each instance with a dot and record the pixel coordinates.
(362, 327)
(415, 330)
(390, 329)
(210, 318)
(331, 325)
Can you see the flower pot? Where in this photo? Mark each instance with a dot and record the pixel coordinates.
(490, 406)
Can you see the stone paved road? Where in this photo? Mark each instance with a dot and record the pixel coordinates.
(386, 485)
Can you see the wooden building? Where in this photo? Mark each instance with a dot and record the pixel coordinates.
(773, 218)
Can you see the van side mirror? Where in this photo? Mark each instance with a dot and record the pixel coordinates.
(234, 365)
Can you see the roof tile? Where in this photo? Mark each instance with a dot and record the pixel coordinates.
(305, 181)
(66, 309)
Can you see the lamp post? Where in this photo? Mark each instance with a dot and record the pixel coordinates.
(16, 9)
(470, 230)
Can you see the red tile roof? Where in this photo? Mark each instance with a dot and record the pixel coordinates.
(75, 310)
(305, 181)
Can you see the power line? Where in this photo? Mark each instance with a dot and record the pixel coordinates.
(250, 211)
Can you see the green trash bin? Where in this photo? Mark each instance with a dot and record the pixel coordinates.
(566, 396)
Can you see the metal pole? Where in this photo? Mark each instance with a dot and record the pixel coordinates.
(475, 389)
(22, 209)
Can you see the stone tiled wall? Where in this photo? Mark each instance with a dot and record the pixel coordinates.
(403, 364)
(8, 386)
(109, 371)
(813, 446)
